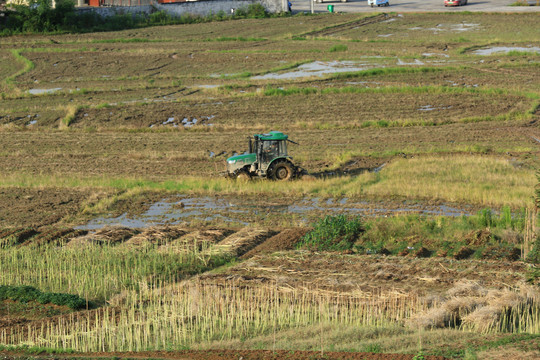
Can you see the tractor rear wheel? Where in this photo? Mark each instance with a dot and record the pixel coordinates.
(283, 171)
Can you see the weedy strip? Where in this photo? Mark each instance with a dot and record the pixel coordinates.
(28, 66)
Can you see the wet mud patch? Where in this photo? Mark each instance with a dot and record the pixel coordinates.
(241, 211)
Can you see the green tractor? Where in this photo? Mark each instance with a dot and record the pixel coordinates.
(267, 158)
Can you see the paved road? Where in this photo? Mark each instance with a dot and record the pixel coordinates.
(414, 6)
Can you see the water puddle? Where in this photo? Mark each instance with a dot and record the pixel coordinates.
(378, 169)
(238, 211)
(435, 54)
(505, 50)
(172, 213)
(43, 91)
(415, 62)
(186, 122)
(431, 108)
(317, 68)
(207, 86)
(385, 35)
(449, 27)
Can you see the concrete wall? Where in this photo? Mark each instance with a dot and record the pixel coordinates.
(202, 8)
(213, 6)
(113, 10)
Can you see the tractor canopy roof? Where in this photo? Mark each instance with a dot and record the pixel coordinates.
(272, 135)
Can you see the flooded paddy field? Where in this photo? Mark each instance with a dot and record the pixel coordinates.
(420, 132)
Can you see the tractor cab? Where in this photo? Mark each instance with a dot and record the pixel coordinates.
(267, 157)
(269, 147)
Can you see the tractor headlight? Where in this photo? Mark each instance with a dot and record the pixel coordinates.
(231, 161)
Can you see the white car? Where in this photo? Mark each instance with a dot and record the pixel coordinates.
(378, 3)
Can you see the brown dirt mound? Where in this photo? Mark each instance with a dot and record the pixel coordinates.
(242, 241)
(12, 321)
(422, 252)
(105, 235)
(54, 235)
(155, 235)
(285, 240)
(199, 239)
(463, 253)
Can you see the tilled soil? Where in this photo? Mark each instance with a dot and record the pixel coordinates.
(233, 354)
(169, 155)
(38, 207)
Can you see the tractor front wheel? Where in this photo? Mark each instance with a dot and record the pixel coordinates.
(243, 176)
(283, 171)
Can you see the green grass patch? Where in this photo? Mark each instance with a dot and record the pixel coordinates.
(521, 3)
(289, 91)
(338, 48)
(35, 350)
(126, 41)
(389, 71)
(235, 38)
(28, 66)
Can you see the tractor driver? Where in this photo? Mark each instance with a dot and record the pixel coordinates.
(269, 149)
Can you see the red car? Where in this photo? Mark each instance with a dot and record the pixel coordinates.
(455, 2)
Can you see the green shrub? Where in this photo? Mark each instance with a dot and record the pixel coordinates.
(506, 220)
(25, 294)
(256, 11)
(159, 18)
(333, 233)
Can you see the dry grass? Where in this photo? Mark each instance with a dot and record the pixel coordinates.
(191, 312)
(461, 178)
(469, 179)
(471, 307)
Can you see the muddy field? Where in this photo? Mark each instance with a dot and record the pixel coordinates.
(111, 145)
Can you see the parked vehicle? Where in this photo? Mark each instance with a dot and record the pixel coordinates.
(455, 2)
(378, 3)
